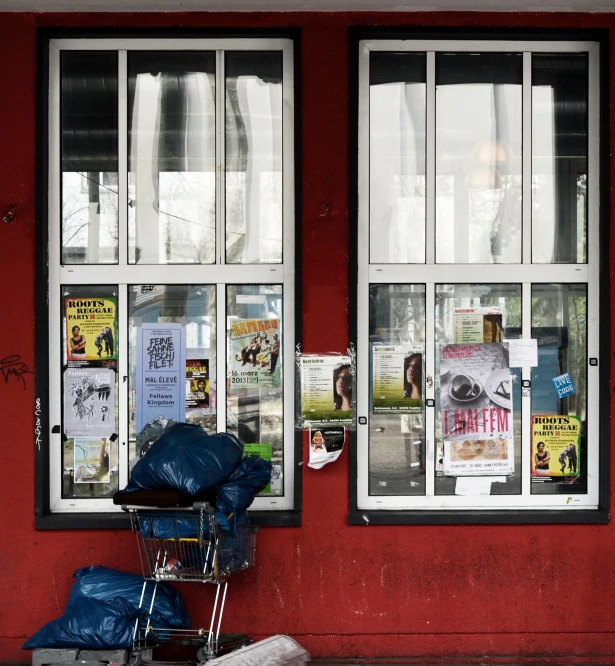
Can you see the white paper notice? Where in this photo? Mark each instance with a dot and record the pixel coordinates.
(522, 353)
(468, 485)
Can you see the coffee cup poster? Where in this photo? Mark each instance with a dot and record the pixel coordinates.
(397, 379)
(556, 454)
(255, 346)
(91, 329)
(476, 410)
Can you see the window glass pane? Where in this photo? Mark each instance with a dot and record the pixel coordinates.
(89, 391)
(171, 157)
(478, 158)
(255, 405)
(397, 439)
(194, 306)
(507, 299)
(559, 324)
(89, 158)
(559, 158)
(253, 175)
(397, 108)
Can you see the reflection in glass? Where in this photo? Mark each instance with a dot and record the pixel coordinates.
(89, 403)
(89, 157)
(506, 297)
(478, 158)
(397, 441)
(253, 174)
(171, 157)
(256, 415)
(559, 324)
(559, 158)
(175, 303)
(397, 111)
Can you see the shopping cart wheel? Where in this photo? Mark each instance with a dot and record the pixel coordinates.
(226, 643)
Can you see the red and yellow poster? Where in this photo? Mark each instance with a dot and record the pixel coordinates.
(555, 447)
(91, 328)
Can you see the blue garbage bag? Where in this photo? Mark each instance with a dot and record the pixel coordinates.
(159, 527)
(91, 624)
(109, 585)
(234, 496)
(186, 458)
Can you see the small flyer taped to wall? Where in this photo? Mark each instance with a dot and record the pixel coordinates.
(91, 329)
(197, 383)
(89, 402)
(326, 445)
(478, 325)
(259, 451)
(161, 372)
(326, 390)
(255, 347)
(556, 455)
(91, 460)
(397, 379)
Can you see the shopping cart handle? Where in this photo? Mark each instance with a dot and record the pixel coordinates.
(205, 506)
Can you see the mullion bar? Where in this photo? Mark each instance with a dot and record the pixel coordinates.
(220, 158)
(430, 368)
(122, 153)
(430, 161)
(526, 157)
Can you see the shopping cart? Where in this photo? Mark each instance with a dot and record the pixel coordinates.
(189, 546)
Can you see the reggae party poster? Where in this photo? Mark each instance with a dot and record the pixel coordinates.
(476, 409)
(91, 328)
(161, 372)
(197, 383)
(255, 347)
(556, 454)
(91, 460)
(397, 379)
(89, 402)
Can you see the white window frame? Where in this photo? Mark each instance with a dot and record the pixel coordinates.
(431, 274)
(124, 274)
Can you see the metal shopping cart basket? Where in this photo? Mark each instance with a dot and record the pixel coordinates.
(189, 546)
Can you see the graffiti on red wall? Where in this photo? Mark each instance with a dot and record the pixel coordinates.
(13, 368)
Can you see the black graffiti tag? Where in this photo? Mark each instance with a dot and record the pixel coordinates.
(13, 366)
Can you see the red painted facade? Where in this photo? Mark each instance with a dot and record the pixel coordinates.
(540, 592)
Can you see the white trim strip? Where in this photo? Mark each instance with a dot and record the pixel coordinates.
(474, 46)
(171, 44)
(122, 153)
(526, 160)
(430, 162)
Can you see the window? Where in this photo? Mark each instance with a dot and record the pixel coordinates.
(478, 294)
(171, 244)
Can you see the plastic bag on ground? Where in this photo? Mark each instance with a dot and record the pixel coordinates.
(89, 624)
(274, 651)
(109, 585)
(186, 458)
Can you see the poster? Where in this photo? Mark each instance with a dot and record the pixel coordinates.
(91, 329)
(478, 457)
(556, 451)
(89, 402)
(476, 410)
(397, 379)
(254, 353)
(478, 325)
(91, 460)
(161, 372)
(326, 445)
(197, 383)
(326, 390)
(259, 451)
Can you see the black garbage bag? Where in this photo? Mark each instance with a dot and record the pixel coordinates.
(89, 624)
(186, 458)
(109, 585)
(234, 496)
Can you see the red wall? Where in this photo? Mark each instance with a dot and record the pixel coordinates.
(453, 591)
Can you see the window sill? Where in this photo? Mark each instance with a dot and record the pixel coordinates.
(119, 521)
(371, 517)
